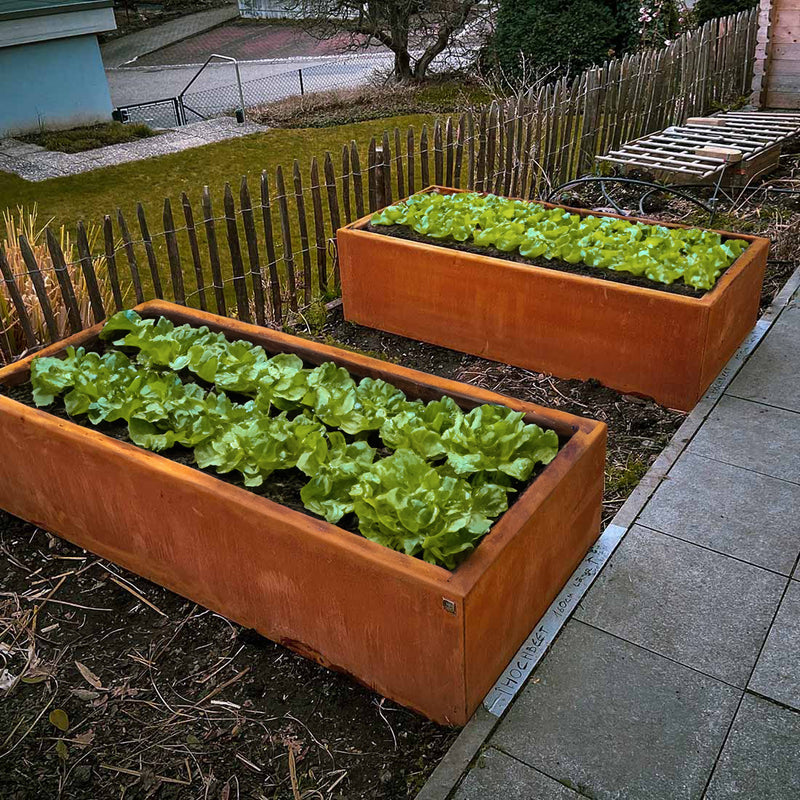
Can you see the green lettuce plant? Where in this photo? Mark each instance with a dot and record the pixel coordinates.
(489, 439)
(494, 439)
(421, 427)
(232, 366)
(279, 381)
(664, 255)
(406, 504)
(162, 411)
(434, 497)
(328, 493)
(259, 445)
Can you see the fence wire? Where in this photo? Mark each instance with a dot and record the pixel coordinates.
(218, 100)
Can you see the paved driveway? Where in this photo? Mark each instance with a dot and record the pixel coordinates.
(247, 40)
(216, 91)
(271, 56)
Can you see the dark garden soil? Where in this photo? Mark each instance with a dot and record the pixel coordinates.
(404, 232)
(165, 699)
(171, 701)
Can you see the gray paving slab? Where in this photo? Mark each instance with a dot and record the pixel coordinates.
(777, 673)
(497, 776)
(753, 436)
(729, 509)
(615, 722)
(760, 758)
(458, 758)
(772, 375)
(705, 610)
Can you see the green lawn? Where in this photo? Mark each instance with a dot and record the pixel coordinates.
(91, 195)
(88, 137)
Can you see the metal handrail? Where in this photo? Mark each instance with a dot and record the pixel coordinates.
(238, 80)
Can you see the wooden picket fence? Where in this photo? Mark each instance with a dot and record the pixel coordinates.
(268, 255)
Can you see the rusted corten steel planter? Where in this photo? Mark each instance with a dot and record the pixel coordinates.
(426, 637)
(636, 340)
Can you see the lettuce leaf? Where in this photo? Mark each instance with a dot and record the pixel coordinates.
(421, 428)
(406, 504)
(495, 439)
(328, 492)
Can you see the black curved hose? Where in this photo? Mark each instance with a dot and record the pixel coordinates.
(651, 185)
(610, 199)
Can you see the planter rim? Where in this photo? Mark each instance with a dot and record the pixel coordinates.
(357, 227)
(459, 581)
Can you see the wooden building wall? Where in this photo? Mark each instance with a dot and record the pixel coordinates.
(777, 70)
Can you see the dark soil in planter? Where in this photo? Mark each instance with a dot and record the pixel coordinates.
(404, 232)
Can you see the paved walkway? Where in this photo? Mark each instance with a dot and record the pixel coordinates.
(34, 163)
(678, 677)
(127, 49)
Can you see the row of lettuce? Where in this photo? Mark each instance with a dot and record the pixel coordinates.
(664, 255)
(447, 478)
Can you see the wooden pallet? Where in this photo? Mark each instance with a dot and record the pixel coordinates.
(679, 154)
(782, 124)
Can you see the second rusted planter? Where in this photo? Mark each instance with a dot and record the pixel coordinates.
(637, 340)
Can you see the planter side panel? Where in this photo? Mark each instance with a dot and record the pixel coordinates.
(734, 313)
(511, 597)
(235, 553)
(540, 320)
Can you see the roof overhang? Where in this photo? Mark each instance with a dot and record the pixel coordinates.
(41, 24)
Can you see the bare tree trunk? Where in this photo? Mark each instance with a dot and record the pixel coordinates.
(399, 32)
(390, 22)
(452, 23)
(402, 66)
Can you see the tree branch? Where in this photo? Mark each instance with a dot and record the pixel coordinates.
(452, 23)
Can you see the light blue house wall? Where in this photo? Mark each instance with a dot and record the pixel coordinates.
(58, 83)
(51, 72)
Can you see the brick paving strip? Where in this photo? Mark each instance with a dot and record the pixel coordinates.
(126, 49)
(34, 163)
(677, 676)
